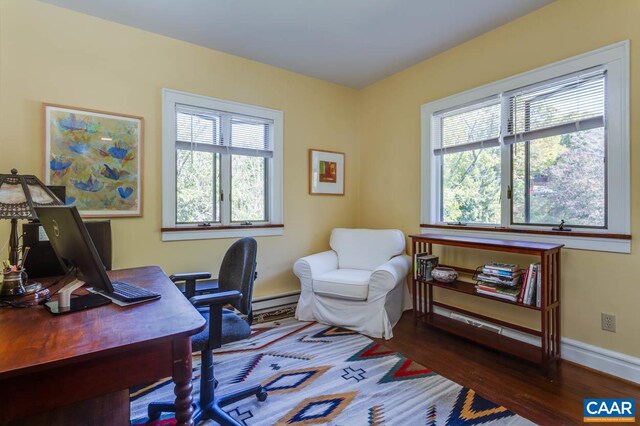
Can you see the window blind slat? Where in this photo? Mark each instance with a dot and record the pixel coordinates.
(248, 135)
(560, 129)
(563, 105)
(489, 143)
(469, 124)
(197, 125)
(221, 149)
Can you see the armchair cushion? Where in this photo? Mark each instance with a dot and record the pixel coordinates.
(366, 248)
(352, 284)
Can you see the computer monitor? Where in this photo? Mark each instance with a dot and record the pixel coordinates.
(73, 245)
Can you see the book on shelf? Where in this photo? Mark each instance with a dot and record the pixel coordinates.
(539, 286)
(499, 273)
(523, 287)
(510, 294)
(527, 292)
(531, 286)
(423, 265)
(498, 288)
(506, 267)
(509, 282)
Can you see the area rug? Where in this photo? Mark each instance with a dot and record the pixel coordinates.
(316, 374)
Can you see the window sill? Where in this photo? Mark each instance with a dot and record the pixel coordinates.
(615, 243)
(213, 232)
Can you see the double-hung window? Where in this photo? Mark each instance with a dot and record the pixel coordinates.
(468, 159)
(222, 168)
(544, 150)
(556, 134)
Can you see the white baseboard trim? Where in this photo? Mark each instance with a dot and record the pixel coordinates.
(604, 360)
(615, 363)
(279, 300)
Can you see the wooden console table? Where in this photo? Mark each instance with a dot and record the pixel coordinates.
(78, 368)
(549, 350)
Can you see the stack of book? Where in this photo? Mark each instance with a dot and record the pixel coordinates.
(500, 280)
(423, 265)
(509, 282)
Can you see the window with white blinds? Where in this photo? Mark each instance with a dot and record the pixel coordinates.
(250, 136)
(542, 148)
(468, 157)
(468, 128)
(226, 162)
(563, 105)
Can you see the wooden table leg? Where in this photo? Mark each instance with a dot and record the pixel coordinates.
(182, 380)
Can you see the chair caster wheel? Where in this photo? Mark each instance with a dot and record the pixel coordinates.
(262, 396)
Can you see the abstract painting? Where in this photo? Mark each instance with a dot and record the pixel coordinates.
(97, 156)
(326, 172)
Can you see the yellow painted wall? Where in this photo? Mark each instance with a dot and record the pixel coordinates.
(390, 159)
(50, 54)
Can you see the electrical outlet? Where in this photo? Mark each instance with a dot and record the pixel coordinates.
(608, 322)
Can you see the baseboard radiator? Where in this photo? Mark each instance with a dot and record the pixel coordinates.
(275, 307)
(476, 323)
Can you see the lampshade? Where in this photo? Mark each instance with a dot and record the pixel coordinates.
(20, 193)
(18, 196)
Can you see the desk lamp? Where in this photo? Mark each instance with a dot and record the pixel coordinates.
(18, 196)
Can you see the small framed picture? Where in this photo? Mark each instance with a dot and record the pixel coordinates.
(326, 172)
(97, 156)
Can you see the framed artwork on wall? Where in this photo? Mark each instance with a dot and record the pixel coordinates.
(97, 156)
(326, 172)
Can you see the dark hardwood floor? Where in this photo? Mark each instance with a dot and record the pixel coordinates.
(554, 399)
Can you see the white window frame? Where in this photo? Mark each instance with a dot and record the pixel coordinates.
(615, 59)
(274, 225)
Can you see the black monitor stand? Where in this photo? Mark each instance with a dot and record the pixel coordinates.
(66, 305)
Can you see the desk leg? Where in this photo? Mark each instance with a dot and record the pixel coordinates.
(182, 380)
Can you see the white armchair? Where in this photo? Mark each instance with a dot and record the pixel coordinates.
(360, 284)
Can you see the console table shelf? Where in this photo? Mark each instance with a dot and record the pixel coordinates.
(548, 352)
(470, 288)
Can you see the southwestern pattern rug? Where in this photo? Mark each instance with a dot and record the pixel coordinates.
(317, 374)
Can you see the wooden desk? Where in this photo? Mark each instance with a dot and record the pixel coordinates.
(47, 362)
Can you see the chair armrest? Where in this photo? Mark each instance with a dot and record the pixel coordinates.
(189, 276)
(316, 264)
(215, 302)
(386, 276)
(216, 299)
(200, 287)
(190, 279)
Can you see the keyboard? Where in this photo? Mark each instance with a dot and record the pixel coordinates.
(129, 293)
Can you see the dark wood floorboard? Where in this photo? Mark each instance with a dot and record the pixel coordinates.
(553, 399)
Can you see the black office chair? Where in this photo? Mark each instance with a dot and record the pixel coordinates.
(235, 287)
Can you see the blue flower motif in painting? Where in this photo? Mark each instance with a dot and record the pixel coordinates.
(125, 192)
(90, 185)
(113, 173)
(79, 148)
(118, 153)
(72, 124)
(59, 164)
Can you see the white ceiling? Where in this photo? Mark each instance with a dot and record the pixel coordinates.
(349, 42)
